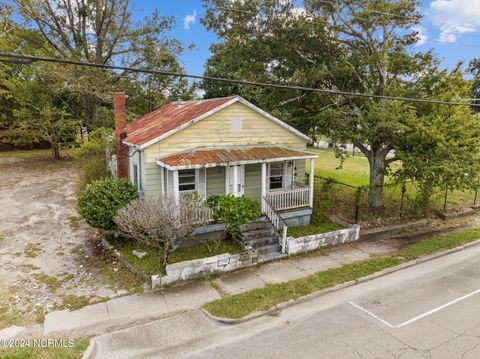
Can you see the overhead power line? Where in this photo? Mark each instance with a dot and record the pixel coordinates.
(25, 59)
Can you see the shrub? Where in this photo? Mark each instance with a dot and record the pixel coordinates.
(233, 211)
(161, 222)
(93, 156)
(100, 201)
(92, 170)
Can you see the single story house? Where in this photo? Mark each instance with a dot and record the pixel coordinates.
(217, 146)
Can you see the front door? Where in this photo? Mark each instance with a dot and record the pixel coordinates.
(239, 189)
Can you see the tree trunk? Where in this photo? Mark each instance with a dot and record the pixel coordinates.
(166, 254)
(90, 105)
(55, 151)
(377, 177)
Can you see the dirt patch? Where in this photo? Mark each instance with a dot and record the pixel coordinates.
(48, 259)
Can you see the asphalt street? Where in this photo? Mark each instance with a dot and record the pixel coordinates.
(430, 310)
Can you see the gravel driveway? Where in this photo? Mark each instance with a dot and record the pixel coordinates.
(48, 254)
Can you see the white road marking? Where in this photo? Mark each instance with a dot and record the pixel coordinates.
(371, 314)
(410, 321)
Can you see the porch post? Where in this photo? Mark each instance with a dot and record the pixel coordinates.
(176, 193)
(235, 180)
(264, 183)
(162, 180)
(311, 180)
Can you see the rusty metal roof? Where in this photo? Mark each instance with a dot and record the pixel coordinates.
(229, 155)
(169, 117)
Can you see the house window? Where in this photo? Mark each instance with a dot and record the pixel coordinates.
(236, 124)
(135, 176)
(186, 180)
(275, 177)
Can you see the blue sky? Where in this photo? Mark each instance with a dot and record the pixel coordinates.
(451, 27)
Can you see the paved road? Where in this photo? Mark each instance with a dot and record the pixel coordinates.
(431, 310)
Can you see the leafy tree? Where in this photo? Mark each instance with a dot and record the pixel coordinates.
(349, 45)
(474, 69)
(38, 113)
(441, 144)
(103, 32)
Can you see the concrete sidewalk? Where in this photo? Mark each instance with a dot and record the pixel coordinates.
(124, 311)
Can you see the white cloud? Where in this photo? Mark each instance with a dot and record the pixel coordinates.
(454, 18)
(189, 20)
(422, 35)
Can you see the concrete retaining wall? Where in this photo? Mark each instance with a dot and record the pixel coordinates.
(322, 240)
(196, 268)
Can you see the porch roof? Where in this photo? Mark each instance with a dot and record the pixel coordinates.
(201, 157)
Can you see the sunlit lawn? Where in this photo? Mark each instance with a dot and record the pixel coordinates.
(355, 172)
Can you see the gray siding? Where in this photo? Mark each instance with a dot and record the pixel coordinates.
(253, 181)
(300, 171)
(215, 181)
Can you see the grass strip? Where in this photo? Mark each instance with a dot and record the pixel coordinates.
(48, 352)
(434, 244)
(240, 305)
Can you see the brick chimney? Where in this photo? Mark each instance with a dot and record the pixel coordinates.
(120, 133)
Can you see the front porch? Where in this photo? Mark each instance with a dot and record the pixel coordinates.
(273, 175)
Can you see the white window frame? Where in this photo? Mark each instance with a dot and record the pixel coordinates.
(269, 175)
(195, 181)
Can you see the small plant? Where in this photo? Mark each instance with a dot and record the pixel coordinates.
(101, 200)
(233, 211)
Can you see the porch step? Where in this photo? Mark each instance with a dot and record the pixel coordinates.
(252, 226)
(257, 233)
(262, 241)
(268, 249)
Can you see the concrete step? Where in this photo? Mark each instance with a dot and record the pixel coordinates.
(268, 249)
(262, 241)
(258, 233)
(255, 225)
(271, 256)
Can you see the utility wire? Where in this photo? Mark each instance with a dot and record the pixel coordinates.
(25, 59)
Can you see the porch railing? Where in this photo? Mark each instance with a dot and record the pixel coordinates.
(203, 214)
(277, 221)
(284, 199)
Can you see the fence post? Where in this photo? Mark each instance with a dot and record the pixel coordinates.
(476, 192)
(357, 203)
(404, 189)
(445, 200)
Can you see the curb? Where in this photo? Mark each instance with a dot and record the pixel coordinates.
(341, 286)
(90, 351)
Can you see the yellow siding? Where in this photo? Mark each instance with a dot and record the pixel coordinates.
(215, 131)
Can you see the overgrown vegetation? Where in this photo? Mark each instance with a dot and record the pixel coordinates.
(93, 157)
(240, 305)
(233, 211)
(101, 200)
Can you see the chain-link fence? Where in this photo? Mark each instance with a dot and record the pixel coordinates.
(404, 200)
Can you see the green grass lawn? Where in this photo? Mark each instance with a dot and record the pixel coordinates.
(76, 352)
(243, 304)
(355, 172)
(151, 264)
